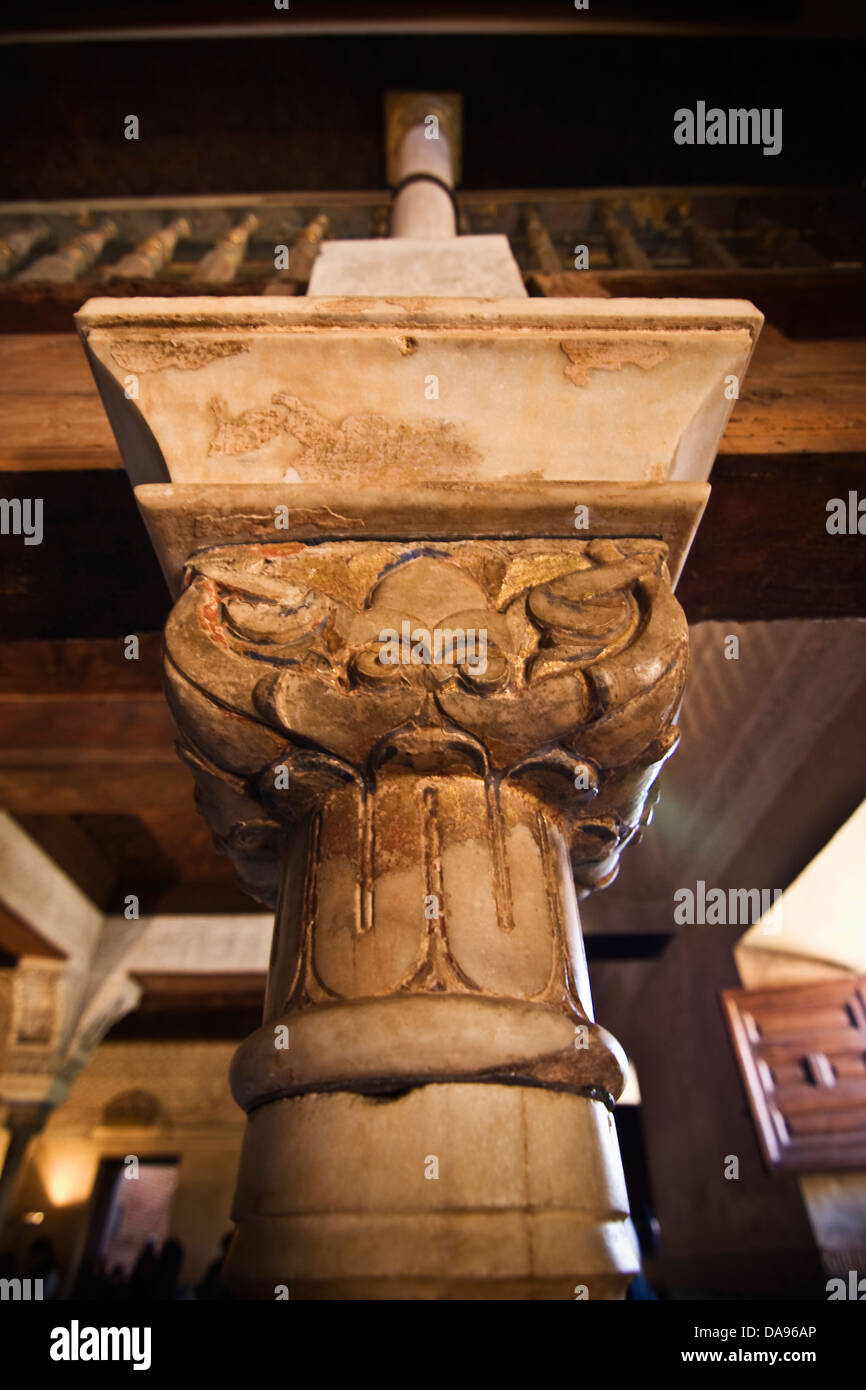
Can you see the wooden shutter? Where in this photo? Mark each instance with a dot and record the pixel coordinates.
(802, 1055)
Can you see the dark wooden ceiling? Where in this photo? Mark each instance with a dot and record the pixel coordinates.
(560, 110)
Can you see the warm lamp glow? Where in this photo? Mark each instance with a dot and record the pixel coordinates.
(67, 1168)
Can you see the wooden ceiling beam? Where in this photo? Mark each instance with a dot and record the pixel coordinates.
(104, 788)
(798, 395)
(796, 439)
(762, 551)
(80, 667)
(801, 303)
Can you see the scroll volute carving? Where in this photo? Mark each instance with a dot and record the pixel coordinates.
(290, 695)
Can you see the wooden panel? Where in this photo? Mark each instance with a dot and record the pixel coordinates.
(50, 411)
(802, 1057)
(194, 1020)
(801, 397)
(763, 550)
(202, 989)
(800, 303)
(96, 667)
(66, 754)
(97, 787)
(44, 730)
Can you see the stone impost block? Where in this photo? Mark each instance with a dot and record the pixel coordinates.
(412, 392)
(480, 265)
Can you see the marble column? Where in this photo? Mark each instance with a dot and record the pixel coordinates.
(22, 1121)
(423, 149)
(425, 661)
(430, 1099)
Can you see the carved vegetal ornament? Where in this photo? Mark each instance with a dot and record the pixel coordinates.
(438, 802)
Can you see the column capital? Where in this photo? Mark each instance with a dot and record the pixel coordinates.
(432, 737)
(552, 666)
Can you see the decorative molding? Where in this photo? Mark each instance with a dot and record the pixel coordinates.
(38, 1005)
(55, 1028)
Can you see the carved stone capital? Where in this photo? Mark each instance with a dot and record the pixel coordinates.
(410, 744)
(418, 811)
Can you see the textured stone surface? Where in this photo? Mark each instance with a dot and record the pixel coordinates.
(421, 820)
(186, 518)
(417, 391)
(275, 652)
(468, 265)
(529, 1198)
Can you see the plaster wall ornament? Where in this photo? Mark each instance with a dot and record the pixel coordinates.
(59, 1016)
(425, 662)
